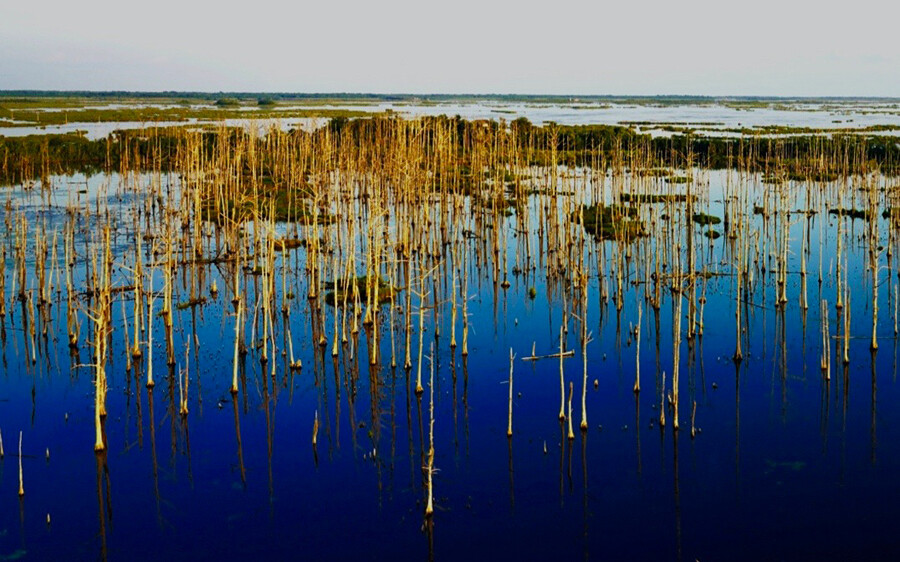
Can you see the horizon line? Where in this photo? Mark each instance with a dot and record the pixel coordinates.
(411, 95)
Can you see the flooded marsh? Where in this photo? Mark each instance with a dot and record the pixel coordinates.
(399, 338)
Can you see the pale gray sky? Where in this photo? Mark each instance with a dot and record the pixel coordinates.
(712, 47)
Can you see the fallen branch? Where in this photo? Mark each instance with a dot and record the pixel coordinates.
(533, 357)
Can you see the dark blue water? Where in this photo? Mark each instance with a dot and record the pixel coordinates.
(785, 466)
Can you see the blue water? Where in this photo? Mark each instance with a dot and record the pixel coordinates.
(786, 465)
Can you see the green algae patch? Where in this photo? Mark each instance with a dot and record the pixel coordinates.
(343, 290)
(654, 197)
(612, 222)
(705, 220)
(861, 214)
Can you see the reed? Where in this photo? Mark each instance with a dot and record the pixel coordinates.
(637, 352)
(693, 419)
(429, 505)
(184, 382)
(676, 354)
(826, 342)
(562, 383)
(509, 427)
(584, 384)
(136, 352)
(315, 430)
(419, 388)
(100, 316)
(846, 315)
(21, 477)
(236, 359)
(873, 259)
(151, 312)
(662, 402)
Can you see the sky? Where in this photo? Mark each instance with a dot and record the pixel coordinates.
(643, 47)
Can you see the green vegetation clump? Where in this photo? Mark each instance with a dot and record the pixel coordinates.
(504, 202)
(892, 213)
(852, 213)
(342, 289)
(704, 220)
(285, 244)
(654, 197)
(612, 222)
(33, 156)
(199, 301)
(821, 176)
(653, 172)
(279, 205)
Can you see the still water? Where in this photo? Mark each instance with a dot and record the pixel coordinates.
(713, 117)
(784, 465)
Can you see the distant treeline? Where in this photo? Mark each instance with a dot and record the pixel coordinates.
(795, 157)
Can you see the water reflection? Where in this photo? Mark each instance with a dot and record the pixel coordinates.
(779, 413)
